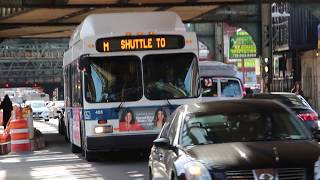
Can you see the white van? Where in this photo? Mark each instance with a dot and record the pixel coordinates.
(220, 81)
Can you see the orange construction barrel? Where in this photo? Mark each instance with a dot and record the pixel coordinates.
(19, 132)
(1, 118)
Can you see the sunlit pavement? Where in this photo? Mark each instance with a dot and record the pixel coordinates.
(56, 162)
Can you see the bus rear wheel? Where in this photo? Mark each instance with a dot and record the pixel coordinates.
(74, 148)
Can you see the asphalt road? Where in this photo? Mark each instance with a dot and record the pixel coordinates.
(57, 162)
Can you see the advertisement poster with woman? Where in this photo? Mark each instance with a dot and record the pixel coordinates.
(142, 119)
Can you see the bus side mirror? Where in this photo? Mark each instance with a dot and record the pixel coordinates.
(84, 64)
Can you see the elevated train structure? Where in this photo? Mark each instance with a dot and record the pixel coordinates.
(31, 63)
(56, 19)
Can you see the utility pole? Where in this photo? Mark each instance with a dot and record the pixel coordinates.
(219, 44)
(266, 46)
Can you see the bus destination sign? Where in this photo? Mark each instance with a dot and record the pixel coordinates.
(139, 43)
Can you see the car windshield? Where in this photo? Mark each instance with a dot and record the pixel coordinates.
(170, 76)
(242, 127)
(113, 79)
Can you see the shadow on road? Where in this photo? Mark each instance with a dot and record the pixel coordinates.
(54, 140)
(124, 156)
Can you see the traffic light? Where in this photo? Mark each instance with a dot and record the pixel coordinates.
(7, 85)
(267, 67)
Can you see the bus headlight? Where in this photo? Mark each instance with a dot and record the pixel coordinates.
(196, 171)
(103, 129)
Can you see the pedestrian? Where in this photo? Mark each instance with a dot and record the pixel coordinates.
(297, 89)
(6, 105)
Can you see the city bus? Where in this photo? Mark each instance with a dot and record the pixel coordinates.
(124, 75)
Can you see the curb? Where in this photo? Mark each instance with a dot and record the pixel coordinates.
(5, 148)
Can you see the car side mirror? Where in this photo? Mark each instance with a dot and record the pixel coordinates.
(162, 143)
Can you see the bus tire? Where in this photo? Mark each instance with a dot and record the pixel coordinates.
(74, 148)
(59, 128)
(66, 137)
(62, 128)
(89, 156)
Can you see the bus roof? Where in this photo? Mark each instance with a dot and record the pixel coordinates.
(215, 68)
(121, 23)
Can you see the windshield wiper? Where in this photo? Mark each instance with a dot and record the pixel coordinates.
(121, 104)
(171, 107)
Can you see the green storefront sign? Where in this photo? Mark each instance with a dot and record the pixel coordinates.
(242, 46)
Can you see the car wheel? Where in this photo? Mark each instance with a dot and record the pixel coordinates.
(46, 120)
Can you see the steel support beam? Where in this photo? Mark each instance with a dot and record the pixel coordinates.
(25, 3)
(63, 3)
(31, 61)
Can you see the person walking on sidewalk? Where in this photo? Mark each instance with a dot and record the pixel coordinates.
(297, 89)
(6, 105)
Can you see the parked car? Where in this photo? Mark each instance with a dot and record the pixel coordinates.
(39, 109)
(55, 108)
(234, 139)
(296, 103)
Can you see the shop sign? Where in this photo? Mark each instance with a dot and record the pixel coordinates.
(242, 46)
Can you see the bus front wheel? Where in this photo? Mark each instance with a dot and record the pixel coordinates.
(89, 156)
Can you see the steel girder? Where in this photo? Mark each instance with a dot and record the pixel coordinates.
(32, 62)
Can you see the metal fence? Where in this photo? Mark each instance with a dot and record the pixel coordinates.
(282, 84)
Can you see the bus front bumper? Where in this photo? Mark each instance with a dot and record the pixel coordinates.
(120, 142)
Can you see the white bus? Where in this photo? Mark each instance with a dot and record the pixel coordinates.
(124, 75)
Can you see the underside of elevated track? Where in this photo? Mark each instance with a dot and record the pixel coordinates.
(34, 33)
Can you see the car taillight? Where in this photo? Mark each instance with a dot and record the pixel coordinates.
(313, 116)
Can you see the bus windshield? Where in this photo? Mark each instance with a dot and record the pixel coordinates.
(113, 79)
(170, 76)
